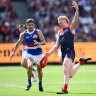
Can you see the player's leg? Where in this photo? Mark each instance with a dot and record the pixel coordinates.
(34, 76)
(40, 75)
(24, 59)
(35, 71)
(36, 59)
(66, 66)
(24, 63)
(74, 68)
(29, 73)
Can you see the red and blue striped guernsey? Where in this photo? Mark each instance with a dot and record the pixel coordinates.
(32, 48)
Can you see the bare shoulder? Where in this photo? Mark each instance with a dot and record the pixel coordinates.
(22, 35)
(72, 27)
(39, 31)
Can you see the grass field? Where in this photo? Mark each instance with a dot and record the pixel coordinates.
(13, 80)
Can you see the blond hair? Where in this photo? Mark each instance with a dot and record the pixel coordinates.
(63, 18)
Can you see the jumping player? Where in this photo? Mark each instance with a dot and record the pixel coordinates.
(34, 39)
(66, 41)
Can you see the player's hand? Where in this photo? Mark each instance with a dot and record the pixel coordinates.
(75, 5)
(47, 54)
(11, 55)
(53, 43)
(37, 43)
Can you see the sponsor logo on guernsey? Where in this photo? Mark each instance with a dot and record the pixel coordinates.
(35, 36)
(66, 30)
(27, 37)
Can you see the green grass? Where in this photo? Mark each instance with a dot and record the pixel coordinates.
(14, 79)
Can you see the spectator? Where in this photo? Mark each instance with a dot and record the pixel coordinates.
(6, 30)
(47, 12)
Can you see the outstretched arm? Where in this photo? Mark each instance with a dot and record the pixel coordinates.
(55, 47)
(75, 21)
(17, 44)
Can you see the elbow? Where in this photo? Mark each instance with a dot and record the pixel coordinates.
(44, 42)
(76, 25)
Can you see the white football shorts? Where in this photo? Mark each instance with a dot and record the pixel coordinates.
(36, 58)
(24, 54)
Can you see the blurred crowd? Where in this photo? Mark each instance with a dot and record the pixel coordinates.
(8, 22)
(45, 13)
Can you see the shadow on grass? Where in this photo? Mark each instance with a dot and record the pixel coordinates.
(83, 93)
(49, 92)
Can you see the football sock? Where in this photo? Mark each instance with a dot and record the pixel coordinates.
(29, 81)
(32, 75)
(40, 83)
(65, 87)
(33, 69)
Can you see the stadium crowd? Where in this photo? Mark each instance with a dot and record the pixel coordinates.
(45, 13)
(8, 22)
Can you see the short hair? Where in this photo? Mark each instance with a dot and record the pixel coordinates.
(56, 27)
(22, 25)
(63, 18)
(29, 20)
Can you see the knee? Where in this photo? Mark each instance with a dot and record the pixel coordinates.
(71, 76)
(29, 67)
(65, 67)
(65, 70)
(22, 65)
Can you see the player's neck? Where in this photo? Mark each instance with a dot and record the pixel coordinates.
(65, 26)
(30, 30)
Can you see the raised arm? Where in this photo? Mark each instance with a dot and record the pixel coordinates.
(74, 23)
(17, 44)
(41, 37)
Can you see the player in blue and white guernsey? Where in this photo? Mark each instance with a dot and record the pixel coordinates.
(66, 41)
(34, 39)
(24, 61)
(25, 56)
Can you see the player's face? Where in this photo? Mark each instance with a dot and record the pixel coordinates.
(61, 23)
(56, 29)
(30, 26)
(21, 29)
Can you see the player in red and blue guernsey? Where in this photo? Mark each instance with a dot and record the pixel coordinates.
(34, 39)
(66, 41)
